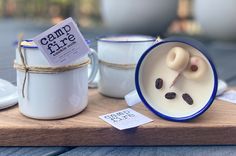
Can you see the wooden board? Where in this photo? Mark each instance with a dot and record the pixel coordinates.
(216, 126)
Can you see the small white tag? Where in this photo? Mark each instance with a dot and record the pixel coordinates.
(229, 96)
(62, 43)
(125, 119)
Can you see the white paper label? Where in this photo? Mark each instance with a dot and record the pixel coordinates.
(229, 96)
(62, 43)
(125, 119)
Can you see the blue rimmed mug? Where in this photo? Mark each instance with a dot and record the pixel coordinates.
(152, 65)
(52, 95)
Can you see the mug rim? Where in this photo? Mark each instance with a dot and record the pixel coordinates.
(29, 46)
(105, 38)
(33, 46)
(162, 115)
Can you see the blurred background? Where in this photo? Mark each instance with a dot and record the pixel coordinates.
(213, 22)
(123, 16)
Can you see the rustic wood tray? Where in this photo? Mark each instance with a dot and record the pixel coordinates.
(216, 126)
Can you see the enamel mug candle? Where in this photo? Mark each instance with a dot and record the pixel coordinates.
(47, 92)
(118, 56)
(175, 79)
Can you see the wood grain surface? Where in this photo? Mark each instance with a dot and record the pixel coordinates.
(216, 126)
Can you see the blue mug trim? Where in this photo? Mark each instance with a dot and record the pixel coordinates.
(177, 119)
(148, 38)
(26, 46)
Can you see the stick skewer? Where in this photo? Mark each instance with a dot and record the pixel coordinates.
(175, 79)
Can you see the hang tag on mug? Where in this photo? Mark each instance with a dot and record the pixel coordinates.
(62, 43)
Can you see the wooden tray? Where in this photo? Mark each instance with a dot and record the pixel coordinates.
(216, 126)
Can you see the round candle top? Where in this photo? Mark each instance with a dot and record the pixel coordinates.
(175, 80)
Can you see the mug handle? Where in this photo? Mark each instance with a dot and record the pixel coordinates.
(94, 67)
(132, 98)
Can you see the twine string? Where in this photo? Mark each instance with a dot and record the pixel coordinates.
(24, 64)
(118, 66)
(49, 70)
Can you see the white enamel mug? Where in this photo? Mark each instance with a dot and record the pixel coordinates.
(118, 56)
(53, 95)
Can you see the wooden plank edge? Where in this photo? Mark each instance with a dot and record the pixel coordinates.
(224, 135)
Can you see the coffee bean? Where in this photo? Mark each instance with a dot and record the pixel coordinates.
(194, 68)
(187, 98)
(170, 95)
(159, 83)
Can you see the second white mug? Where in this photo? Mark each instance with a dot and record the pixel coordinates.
(118, 56)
